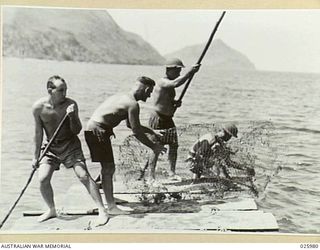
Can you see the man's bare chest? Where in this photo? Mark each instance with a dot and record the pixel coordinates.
(52, 115)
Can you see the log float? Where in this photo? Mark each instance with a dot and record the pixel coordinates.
(235, 214)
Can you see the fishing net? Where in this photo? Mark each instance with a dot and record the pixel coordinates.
(252, 161)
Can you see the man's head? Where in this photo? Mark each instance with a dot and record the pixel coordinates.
(144, 88)
(173, 68)
(230, 130)
(57, 88)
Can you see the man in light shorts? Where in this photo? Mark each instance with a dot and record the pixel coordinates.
(66, 147)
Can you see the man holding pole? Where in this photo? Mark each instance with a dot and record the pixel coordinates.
(165, 105)
(163, 110)
(52, 112)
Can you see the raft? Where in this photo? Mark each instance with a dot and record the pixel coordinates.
(191, 213)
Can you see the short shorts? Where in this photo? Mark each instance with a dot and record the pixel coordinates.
(166, 126)
(100, 151)
(72, 154)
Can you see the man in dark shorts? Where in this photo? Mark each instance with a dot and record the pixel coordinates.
(66, 147)
(108, 115)
(163, 110)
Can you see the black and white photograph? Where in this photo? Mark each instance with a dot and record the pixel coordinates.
(160, 121)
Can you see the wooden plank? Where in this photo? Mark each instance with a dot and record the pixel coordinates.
(66, 223)
(93, 211)
(243, 221)
(231, 204)
(77, 201)
(78, 193)
(236, 214)
(237, 204)
(186, 185)
(231, 220)
(77, 196)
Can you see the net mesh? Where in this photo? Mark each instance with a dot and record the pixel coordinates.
(253, 163)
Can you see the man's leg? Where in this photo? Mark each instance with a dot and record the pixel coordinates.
(172, 157)
(153, 158)
(82, 173)
(195, 178)
(107, 171)
(225, 172)
(171, 138)
(45, 175)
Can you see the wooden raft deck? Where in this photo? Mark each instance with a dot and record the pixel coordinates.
(231, 214)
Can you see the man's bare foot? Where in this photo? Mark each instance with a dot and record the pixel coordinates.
(175, 177)
(150, 180)
(195, 180)
(50, 213)
(102, 219)
(154, 183)
(117, 211)
(171, 173)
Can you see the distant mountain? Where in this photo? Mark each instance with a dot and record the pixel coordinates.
(72, 34)
(219, 56)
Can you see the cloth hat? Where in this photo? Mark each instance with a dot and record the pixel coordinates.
(231, 129)
(174, 63)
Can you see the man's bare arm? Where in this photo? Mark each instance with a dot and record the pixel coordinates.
(182, 79)
(137, 129)
(145, 130)
(38, 135)
(75, 123)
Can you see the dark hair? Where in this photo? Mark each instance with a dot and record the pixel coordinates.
(50, 82)
(146, 81)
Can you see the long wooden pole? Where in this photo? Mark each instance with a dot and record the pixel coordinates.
(142, 172)
(202, 55)
(43, 153)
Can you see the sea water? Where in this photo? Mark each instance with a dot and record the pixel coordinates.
(289, 101)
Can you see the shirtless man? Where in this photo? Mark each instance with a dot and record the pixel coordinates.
(100, 128)
(65, 149)
(163, 111)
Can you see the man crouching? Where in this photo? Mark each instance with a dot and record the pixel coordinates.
(210, 151)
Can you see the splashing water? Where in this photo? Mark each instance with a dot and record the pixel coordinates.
(254, 158)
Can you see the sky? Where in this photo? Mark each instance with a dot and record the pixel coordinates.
(274, 40)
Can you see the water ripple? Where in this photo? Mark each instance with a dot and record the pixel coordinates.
(306, 130)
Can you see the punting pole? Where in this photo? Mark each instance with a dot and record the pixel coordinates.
(202, 55)
(34, 169)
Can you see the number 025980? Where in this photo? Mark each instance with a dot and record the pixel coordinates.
(311, 245)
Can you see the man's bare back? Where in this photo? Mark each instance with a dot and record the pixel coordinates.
(114, 110)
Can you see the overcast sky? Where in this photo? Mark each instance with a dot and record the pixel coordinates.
(277, 40)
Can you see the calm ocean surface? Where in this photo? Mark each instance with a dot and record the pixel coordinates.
(290, 101)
